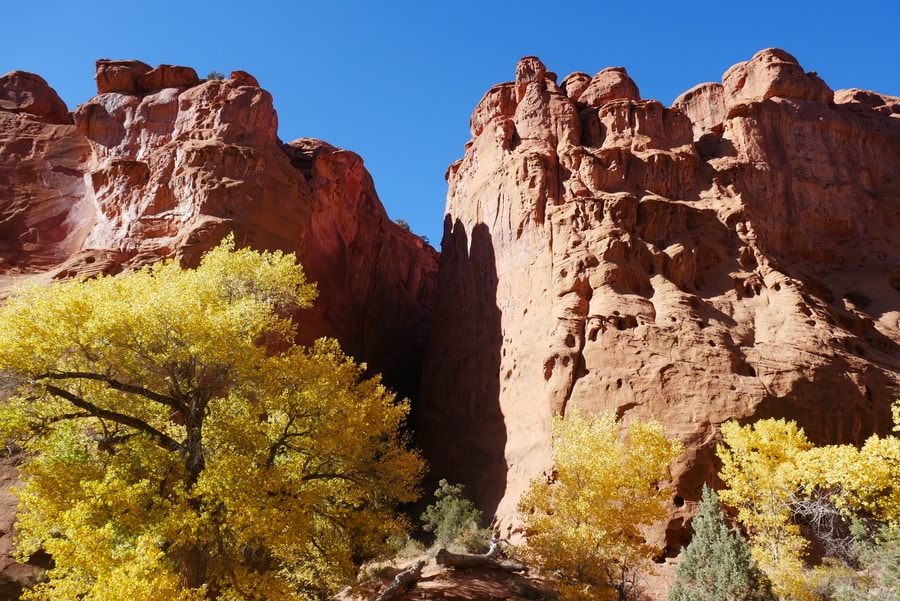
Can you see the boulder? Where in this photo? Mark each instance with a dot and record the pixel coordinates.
(612, 83)
(167, 76)
(704, 105)
(119, 76)
(772, 73)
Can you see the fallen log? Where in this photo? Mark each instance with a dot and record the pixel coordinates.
(456, 560)
(402, 581)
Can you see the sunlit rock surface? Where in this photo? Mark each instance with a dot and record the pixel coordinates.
(734, 256)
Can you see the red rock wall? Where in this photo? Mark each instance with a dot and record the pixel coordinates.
(734, 256)
(42, 191)
(160, 164)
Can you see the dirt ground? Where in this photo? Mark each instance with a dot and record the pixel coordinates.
(447, 584)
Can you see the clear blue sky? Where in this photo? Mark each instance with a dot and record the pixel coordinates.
(397, 81)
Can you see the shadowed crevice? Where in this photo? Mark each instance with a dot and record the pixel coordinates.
(457, 420)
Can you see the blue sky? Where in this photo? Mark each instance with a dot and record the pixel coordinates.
(397, 81)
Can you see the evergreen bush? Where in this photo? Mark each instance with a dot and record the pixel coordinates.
(717, 565)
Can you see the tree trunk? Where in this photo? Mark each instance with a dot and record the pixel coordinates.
(453, 560)
(191, 564)
(402, 581)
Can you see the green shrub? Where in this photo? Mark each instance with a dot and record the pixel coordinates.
(872, 572)
(403, 547)
(452, 518)
(717, 563)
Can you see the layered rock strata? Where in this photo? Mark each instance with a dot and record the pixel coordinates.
(733, 256)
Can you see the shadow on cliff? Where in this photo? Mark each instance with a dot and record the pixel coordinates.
(457, 420)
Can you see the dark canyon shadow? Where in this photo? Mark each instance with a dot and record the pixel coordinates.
(457, 419)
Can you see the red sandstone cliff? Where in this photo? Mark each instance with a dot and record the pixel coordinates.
(735, 256)
(161, 164)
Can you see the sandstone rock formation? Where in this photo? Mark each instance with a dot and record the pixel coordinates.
(42, 190)
(160, 164)
(734, 256)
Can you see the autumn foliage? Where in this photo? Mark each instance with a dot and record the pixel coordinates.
(585, 522)
(182, 448)
(790, 494)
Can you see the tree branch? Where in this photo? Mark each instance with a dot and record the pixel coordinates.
(454, 560)
(402, 581)
(65, 416)
(166, 442)
(114, 384)
(278, 444)
(328, 476)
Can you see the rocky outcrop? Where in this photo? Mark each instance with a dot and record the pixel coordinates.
(734, 256)
(377, 282)
(160, 164)
(29, 94)
(42, 191)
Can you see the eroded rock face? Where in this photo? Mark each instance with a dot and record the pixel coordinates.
(43, 204)
(377, 282)
(770, 73)
(160, 164)
(29, 94)
(732, 257)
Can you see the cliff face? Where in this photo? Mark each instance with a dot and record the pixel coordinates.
(160, 164)
(734, 256)
(42, 188)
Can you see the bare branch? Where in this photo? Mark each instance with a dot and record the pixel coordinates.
(280, 443)
(454, 560)
(114, 384)
(166, 442)
(402, 582)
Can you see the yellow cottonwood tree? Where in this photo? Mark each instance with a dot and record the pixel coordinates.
(861, 482)
(585, 523)
(181, 448)
(772, 472)
(759, 466)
